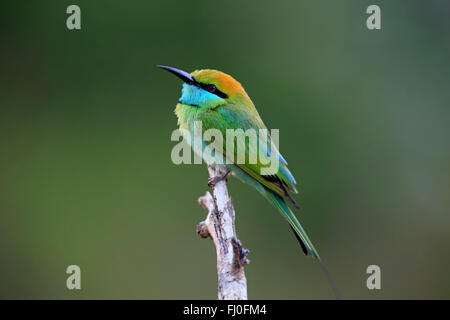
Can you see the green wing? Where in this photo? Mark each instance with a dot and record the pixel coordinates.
(242, 117)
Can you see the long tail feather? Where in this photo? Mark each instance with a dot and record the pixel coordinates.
(301, 235)
(295, 225)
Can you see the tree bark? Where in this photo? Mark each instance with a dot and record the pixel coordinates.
(220, 227)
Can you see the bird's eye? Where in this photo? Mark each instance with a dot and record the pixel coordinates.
(211, 88)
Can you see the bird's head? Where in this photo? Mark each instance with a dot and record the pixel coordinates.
(209, 88)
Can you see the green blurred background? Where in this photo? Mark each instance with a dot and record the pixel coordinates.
(86, 176)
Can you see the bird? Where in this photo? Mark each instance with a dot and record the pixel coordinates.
(220, 102)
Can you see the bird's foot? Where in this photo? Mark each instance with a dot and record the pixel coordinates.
(212, 181)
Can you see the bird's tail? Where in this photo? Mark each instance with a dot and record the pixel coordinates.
(295, 225)
(300, 234)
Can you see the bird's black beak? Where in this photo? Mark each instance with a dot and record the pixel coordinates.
(183, 75)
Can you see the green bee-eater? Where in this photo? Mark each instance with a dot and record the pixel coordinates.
(220, 102)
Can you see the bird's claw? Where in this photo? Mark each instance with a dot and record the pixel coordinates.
(212, 181)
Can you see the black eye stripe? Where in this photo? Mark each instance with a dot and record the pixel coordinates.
(217, 92)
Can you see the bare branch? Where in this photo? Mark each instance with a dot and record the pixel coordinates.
(220, 227)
